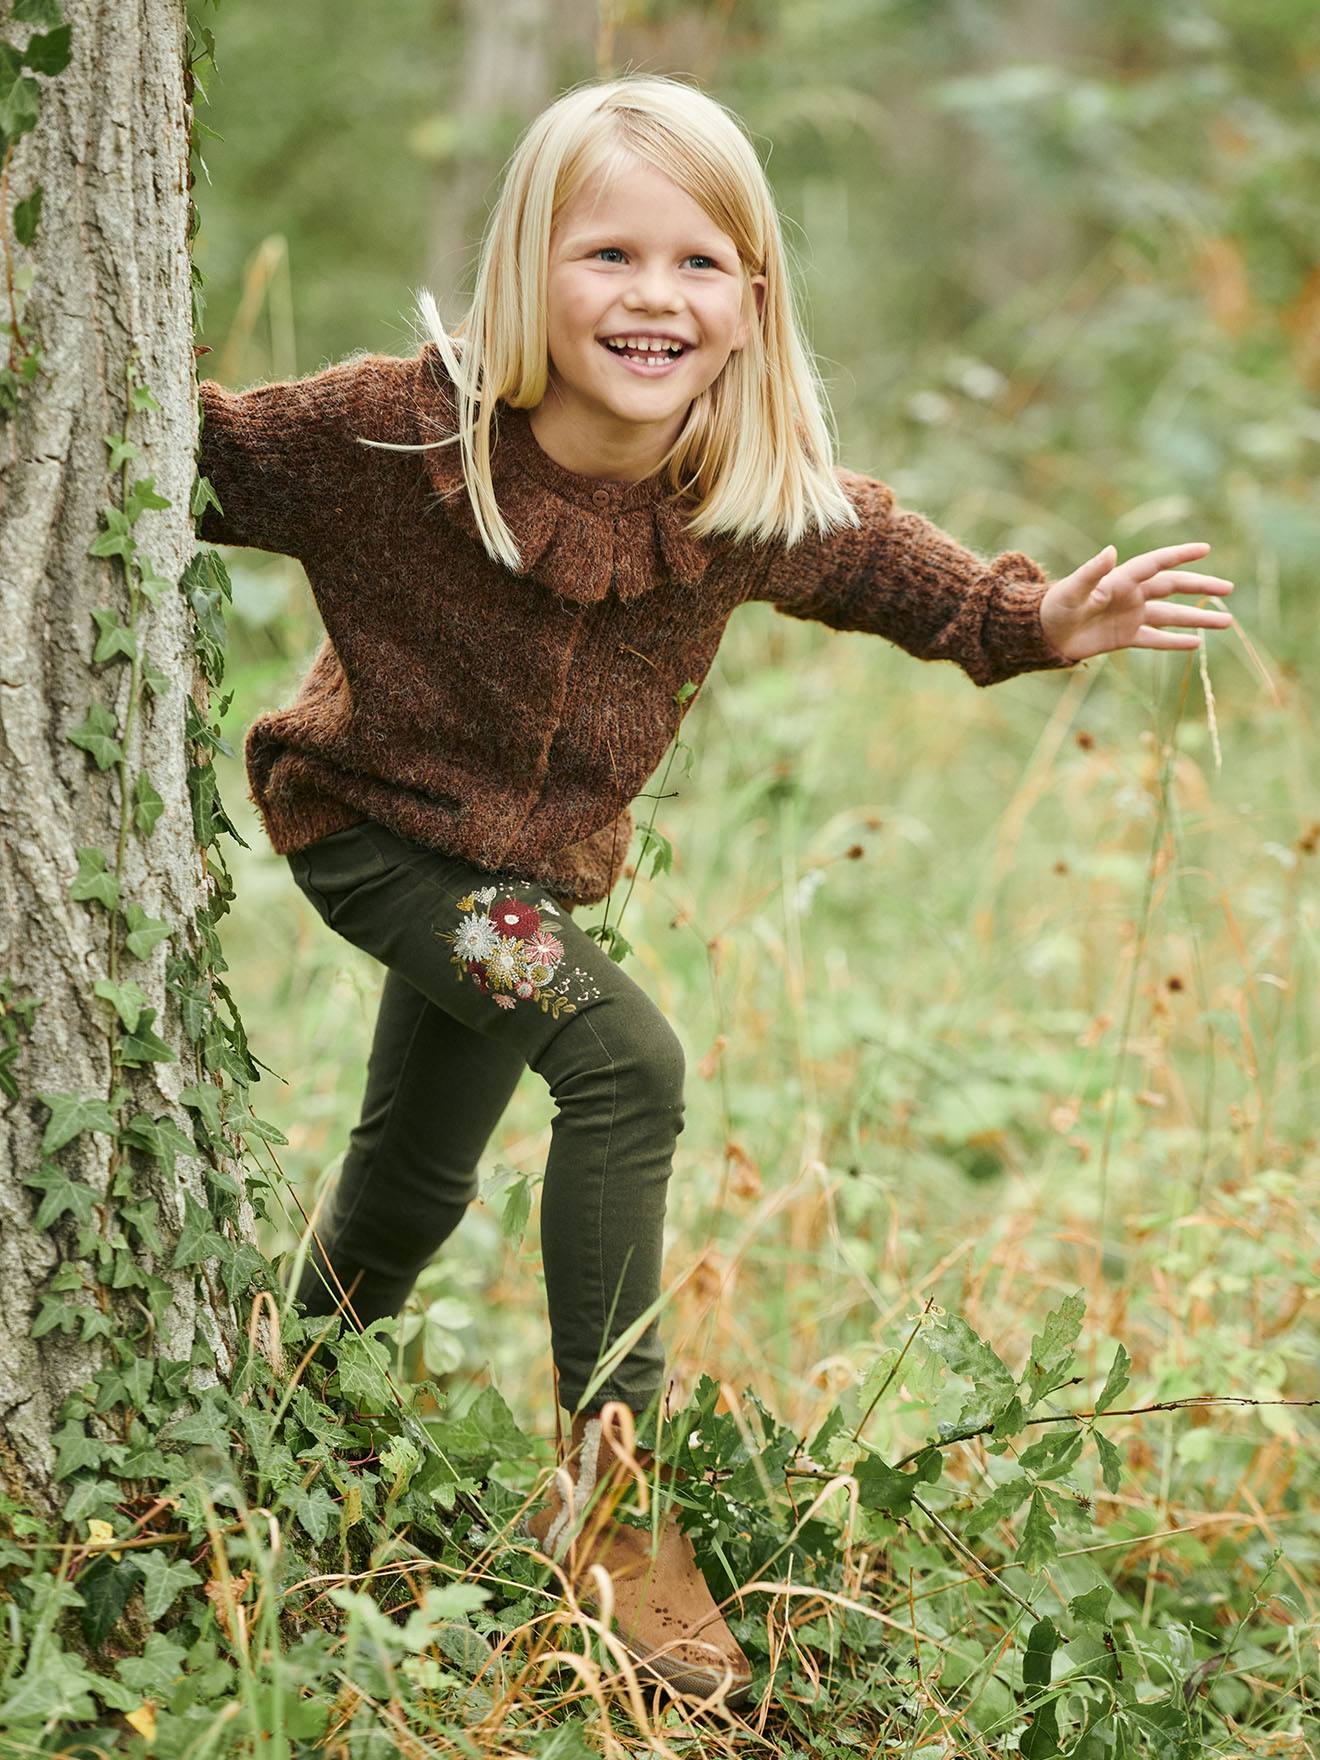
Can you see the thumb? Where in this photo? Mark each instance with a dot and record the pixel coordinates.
(1102, 560)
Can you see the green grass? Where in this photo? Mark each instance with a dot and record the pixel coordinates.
(988, 997)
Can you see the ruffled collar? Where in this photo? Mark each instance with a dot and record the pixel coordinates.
(577, 535)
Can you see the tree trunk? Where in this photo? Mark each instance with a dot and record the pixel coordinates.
(92, 1219)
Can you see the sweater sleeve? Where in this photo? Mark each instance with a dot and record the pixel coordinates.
(899, 576)
(276, 455)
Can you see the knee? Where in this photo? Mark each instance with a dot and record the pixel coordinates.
(639, 1052)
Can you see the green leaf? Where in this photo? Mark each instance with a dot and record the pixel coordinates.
(883, 1487)
(141, 496)
(204, 1098)
(364, 1373)
(20, 97)
(98, 734)
(1054, 1453)
(1052, 1348)
(115, 637)
(1002, 1502)
(517, 1209)
(42, 12)
(49, 54)
(117, 538)
(144, 932)
(1115, 1381)
(76, 1449)
(166, 1578)
(143, 400)
(1042, 1738)
(94, 880)
(120, 449)
(1092, 1609)
(143, 1046)
(1037, 1547)
(964, 1353)
(486, 1432)
(315, 1509)
(129, 999)
(105, 1587)
(71, 1114)
(198, 1239)
(1111, 1462)
(27, 217)
(62, 1196)
(53, 1689)
(156, 681)
(158, 1137)
(147, 804)
(155, 586)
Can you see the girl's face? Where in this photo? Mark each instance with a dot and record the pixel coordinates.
(640, 261)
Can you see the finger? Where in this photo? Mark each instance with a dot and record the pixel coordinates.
(1160, 613)
(1147, 637)
(1167, 557)
(1184, 581)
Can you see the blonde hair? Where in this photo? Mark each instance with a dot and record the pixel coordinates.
(757, 449)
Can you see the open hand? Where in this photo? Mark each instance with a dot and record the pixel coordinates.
(1107, 604)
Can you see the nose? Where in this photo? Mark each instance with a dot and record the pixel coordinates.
(652, 290)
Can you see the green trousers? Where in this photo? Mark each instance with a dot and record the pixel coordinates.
(487, 974)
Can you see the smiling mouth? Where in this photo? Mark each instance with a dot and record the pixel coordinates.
(650, 365)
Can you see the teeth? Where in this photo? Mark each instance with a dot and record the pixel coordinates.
(652, 345)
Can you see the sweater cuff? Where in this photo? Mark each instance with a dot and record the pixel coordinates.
(1012, 634)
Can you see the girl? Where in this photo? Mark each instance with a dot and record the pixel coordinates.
(525, 542)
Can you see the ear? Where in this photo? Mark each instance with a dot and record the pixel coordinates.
(758, 285)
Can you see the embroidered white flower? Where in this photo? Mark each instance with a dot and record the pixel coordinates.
(485, 896)
(544, 904)
(475, 937)
(504, 963)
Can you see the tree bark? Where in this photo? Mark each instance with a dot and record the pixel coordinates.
(111, 286)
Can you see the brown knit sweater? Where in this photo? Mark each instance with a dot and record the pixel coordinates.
(510, 718)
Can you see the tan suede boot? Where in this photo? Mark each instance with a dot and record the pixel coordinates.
(664, 1613)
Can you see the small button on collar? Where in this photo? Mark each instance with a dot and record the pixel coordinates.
(601, 497)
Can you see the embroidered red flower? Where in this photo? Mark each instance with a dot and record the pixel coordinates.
(514, 918)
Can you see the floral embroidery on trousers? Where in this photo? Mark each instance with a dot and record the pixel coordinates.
(508, 951)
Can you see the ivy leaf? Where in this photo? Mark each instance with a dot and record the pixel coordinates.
(115, 636)
(147, 804)
(364, 1373)
(1052, 1348)
(94, 879)
(98, 734)
(141, 496)
(72, 1113)
(156, 681)
(45, 12)
(166, 1578)
(120, 449)
(144, 932)
(314, 1508)
(105, 1587)
(49, 54)
(27, 217)
(77, 1450)
(20, 97)
(198, 1239)
(63, 1195)
(144, 1046)
(117, 538)
(204, 496)
(141, 1217)
(129, 998)
(159, 1137)
(142, 399)
(1037, 1546)
(204, 1098)
(1115, 1381)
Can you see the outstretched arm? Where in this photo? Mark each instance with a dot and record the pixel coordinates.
(900, 576)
